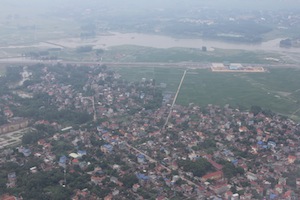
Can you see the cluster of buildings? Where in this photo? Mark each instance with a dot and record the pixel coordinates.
(283, 19)
(235, 67)
(14, 124)
(128, 155)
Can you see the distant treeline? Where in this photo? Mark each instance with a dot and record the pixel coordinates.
(242, 31)
(289, 42)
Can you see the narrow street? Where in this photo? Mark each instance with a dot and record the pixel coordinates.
(155, 161)
(174, 100)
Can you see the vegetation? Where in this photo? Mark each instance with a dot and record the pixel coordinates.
(230, 170)
(38, 108)
(41, 131)
(277, 90)
(84, 49)
(129, 180)
(132, 53)
(199, 168)
(245, 31)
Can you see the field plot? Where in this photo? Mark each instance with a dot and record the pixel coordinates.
(171, 77)
(278, 90)
(130, 53)
(2, 70)
(12, 138)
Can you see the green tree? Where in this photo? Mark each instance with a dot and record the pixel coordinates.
(199, 168)
(129, 180)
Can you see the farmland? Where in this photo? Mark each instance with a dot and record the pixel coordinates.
(278, 90)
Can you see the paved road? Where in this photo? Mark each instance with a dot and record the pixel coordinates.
(190, 65)
(174, 100)
(21, 60)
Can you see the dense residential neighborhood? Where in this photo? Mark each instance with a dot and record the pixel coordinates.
(94, 135)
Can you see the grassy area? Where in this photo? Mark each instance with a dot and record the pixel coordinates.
(162, 75)
(29, 30)
(2, 70)
(278, 90)
(147, 54)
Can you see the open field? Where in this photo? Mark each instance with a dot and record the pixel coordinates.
(2, 70)
(148, 54)
(278, 90)
(128, 53)
(12, 138)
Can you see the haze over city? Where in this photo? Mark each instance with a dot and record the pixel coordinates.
(158, 100)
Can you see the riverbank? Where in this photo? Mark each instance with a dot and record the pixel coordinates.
(155, 41)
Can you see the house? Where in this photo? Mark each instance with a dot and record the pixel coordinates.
(81, 153)
(12, 178)
(220, 189)
(135, 187)
(291, 159)
(116, 181)
(83, 165)
(96, 180)
(15, 124)
(106, 148)
(62, 161)
(108, 197)
(251, 177)
(140, 158)
(116, 192)
(187, 189)
(279, 188)
(287, 195)
(161, 198)
(33, 170)
(217, 166)
(75, 161)
(81, 194)
(26, 152)
(8, 197)
(228, 195)
(73, 155)
(271, 144)
(235, 197)
(212, 176)
(298, 183)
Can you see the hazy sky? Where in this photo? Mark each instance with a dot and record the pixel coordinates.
(243, 4)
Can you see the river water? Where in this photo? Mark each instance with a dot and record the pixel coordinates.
(159, 41)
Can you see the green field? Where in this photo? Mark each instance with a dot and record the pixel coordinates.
(2, 70)
(129, 53)
(278, 90)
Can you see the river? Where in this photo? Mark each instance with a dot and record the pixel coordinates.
(158, 41)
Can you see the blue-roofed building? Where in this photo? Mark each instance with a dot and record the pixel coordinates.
(235, 66)
(235, 162)
(140, 158)
(271, 144)
(273, 196)
(106, 148)
(260, 143)
(26, 152)
(142, 177)
(101, 130)
(62, 161)
(81, 153)
(12, 176)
